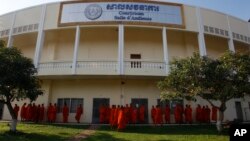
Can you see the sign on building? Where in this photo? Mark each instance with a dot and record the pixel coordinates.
(150, 13)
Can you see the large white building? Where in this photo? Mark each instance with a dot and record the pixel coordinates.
(115, 52)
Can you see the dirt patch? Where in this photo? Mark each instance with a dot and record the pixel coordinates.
(84, 134)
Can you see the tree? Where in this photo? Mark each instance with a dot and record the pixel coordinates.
(17, 79)
(211, 79)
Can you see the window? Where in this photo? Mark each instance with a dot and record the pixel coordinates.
(135, 56)
(74, 104)
(60, 103)
(135, 64)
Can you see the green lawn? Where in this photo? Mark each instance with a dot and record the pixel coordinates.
(37, 132)
(166, 133)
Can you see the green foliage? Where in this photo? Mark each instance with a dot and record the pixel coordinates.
(17, 76)
(213, 79)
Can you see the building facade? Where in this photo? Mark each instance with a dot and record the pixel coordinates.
(115, 52)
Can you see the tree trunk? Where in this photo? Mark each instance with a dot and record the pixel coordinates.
(221, 117)
(13, 116)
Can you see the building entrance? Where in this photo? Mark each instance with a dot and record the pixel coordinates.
(97, 102)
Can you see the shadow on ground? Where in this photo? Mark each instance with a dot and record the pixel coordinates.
(20, 136)
(171, 130)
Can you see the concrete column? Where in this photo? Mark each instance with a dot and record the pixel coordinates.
(10, 39)
(40, 37)
(230, 40)
(77, 39)
(121, 49)
(201, 39)
(165, 49)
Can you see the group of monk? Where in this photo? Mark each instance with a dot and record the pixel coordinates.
(203, 114)
(36, 113)
(31, 112)
(118, 116)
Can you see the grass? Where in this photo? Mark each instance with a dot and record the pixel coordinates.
(38, 132)
(166, 133)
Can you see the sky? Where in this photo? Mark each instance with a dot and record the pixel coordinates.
(237, 8)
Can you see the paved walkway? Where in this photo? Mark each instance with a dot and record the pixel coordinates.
(84, 134)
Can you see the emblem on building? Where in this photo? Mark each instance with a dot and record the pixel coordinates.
(93, 11)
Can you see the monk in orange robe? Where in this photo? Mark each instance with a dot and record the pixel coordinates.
(23, 112)
(111, 117)
(186, 114)
(65, 113)
(107, 113)
(208, 112)
(167, 114)
(28, 113)
(49, 113)
(214, 113)
(177, 115)
(53, 110)
(16, 110)
(153, 114)
(121, 120)
(142, 114)
(198, 113)
(34, 113)
(79, 112)
(101, 114)
(134, 115)
(189, 114)
(130, 113)
(116, 114)
(41, 113)
(127, 114)
(204, 114)
(181, 111)
(159, 115)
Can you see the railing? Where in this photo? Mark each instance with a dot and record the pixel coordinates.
(51, 68)
(145, 67)
(97, 67)
(131, 67)
(97, 64)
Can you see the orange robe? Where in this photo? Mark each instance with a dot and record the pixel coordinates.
(153, 115)
(167, 115)
(111, 117)
(28, 113)
(65, 114)
(177, 115)
(208, 112)
(49, 113)
(127, 114)
(53, 114)
(79, 112)
(204, 114)
(121, 120)
(23, 112)
(116, 114)
(102, 114)
(214, 113)
(189, 114)
(41, 113)
(134, 115)
(198, 114)
(141, 114)
(159, 116)
(107, 114)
